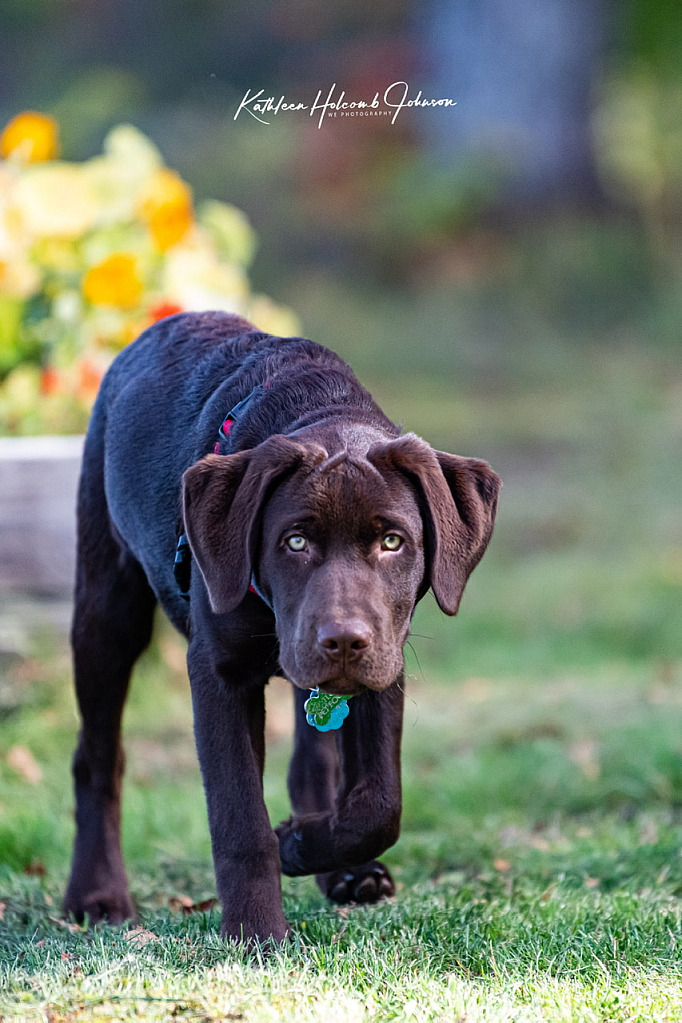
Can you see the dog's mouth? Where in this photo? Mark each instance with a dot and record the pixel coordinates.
(346, 680)
(342, 687)
(345, 686)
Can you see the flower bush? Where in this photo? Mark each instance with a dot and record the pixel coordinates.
(91, 254)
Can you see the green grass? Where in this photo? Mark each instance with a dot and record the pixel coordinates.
(539, 869)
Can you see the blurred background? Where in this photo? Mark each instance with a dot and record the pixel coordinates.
(503, 274)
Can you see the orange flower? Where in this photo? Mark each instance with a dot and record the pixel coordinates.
(163, 309)
(51, 381)
(166, 207)
(31, 136)
(88, 381)
(115, 281)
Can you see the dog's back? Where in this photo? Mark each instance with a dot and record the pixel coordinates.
(159, 410)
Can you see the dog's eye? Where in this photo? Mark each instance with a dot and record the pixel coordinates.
(296, 543)
(391, 542)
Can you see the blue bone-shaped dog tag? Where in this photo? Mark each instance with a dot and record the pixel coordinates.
(326, 712)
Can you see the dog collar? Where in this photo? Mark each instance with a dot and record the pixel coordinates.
(324, 711)
(182, 567)
(182, 570)
(234, 413)
(254, 588)
(226, 425)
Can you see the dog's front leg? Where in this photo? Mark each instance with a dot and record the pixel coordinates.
(228, 725)
(365, 820)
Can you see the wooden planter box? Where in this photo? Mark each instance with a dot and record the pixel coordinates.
(38, 481)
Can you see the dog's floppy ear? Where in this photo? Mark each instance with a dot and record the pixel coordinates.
(223, 497)
(458, 498)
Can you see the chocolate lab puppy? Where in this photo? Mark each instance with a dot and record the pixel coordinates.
(313, 528)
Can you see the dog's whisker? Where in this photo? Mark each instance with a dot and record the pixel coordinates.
(414, 654)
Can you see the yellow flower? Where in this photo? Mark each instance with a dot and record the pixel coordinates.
(122, 173)
(166, 207)
(55, 200)
(115, 281)
(30, 136)
(21, 390)
(195, 278)
(18, 275)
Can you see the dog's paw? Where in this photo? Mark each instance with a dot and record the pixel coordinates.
(305, 844)
(290, 838)
(263, 935)
(368, 883)
(100, 907)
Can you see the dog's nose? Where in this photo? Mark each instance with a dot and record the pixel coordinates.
(344, 641)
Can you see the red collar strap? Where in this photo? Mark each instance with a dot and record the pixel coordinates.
(235, 411)
(233, 414)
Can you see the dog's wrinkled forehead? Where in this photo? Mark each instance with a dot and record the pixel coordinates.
(344, 491)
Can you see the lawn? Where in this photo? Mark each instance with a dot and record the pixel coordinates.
(539, 868)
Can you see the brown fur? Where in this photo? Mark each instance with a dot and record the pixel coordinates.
(311, 455)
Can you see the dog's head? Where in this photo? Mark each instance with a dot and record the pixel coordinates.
(342, 546)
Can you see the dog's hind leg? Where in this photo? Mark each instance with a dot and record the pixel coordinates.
(314, 782)
(112, 625)
(314, 768)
